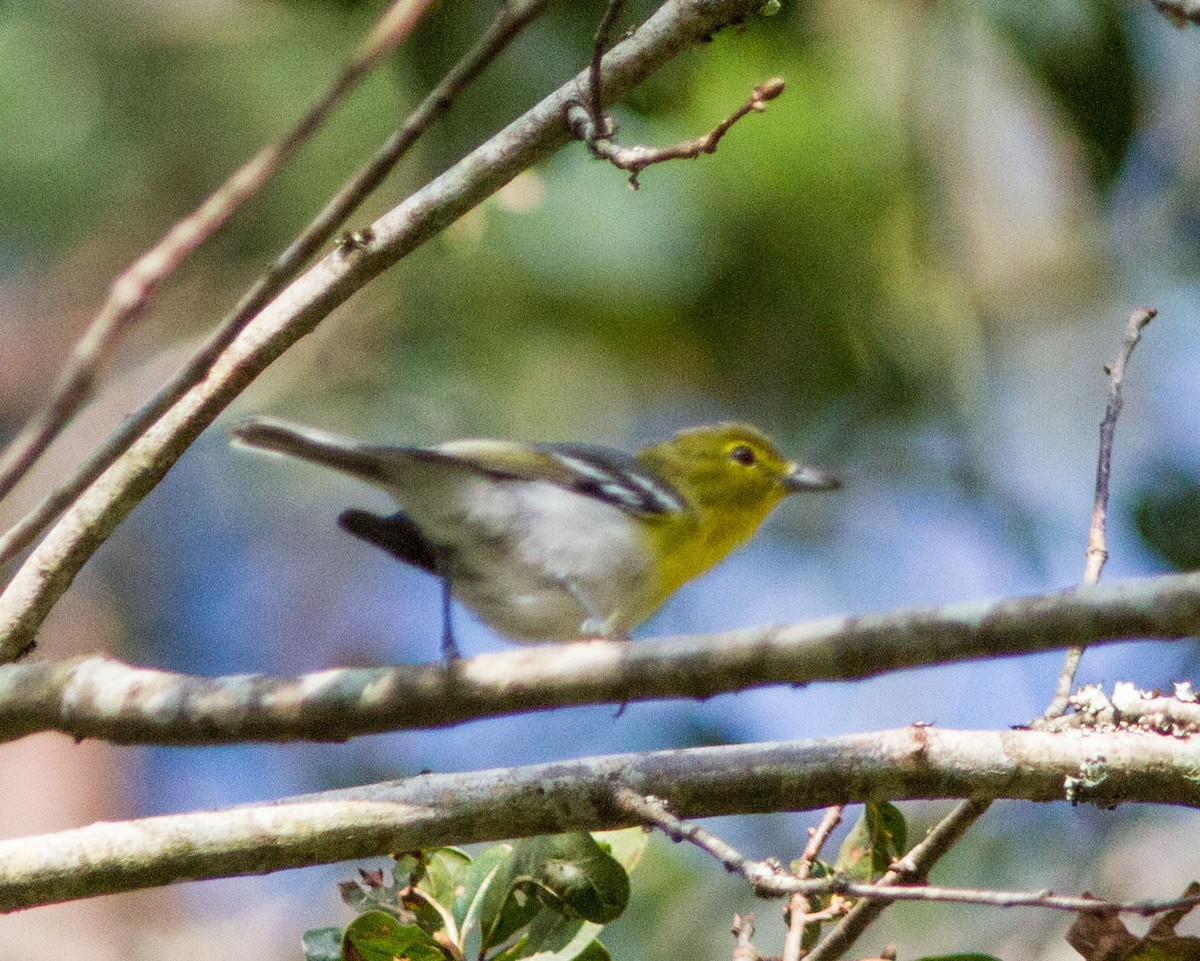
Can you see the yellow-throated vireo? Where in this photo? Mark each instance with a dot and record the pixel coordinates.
(553, 542)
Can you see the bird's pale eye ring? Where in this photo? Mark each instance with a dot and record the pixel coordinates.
(743, 455)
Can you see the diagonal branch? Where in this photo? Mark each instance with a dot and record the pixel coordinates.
(47, 573)
(131, 292)
(512, 18)
(98, 697)
(437, 809)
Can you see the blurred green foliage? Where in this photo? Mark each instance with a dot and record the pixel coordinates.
(803, 266)
(1166, 513)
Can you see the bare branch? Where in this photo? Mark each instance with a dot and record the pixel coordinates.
(770, 879)
(98, 697)
(767, 878)
(49, 570)
(131, 292)
(1014, 899)
(436, 809)
(599, 136)
(512, 18)
(596, 80)
(1097, 549)
(743, 930)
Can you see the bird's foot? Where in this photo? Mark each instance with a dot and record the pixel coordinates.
(600, 629)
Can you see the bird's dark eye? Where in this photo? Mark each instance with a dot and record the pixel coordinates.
(743, 455)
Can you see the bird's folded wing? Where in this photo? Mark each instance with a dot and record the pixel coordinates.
(600, 472)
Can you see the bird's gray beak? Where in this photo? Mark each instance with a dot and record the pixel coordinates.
(801, 478)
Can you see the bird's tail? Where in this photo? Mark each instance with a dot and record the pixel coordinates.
(316, 446)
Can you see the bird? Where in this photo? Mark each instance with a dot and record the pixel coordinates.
(557, 542)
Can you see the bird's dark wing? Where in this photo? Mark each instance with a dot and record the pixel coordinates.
(396, 534)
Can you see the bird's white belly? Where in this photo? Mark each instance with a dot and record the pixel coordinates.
(537, 561)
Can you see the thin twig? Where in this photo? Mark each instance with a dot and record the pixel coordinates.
(595, 127)
(743, 931)
(595, 82)
(509, 22)
(598, 135)
(1046, 900)
(767, 878)
(798, 916)
(770, 879)
(132, 291)
(817, 837)
(1097, 547)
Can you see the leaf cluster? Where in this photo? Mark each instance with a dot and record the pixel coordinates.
(545, 898)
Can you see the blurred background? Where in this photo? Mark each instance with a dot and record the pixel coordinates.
(910, 270)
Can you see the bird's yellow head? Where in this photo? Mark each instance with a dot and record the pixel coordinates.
(731, 475)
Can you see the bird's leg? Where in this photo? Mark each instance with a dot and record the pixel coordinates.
(450, 652)
(594, 624)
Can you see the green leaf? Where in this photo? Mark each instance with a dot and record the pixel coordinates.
(582, 946)
(518, 908)
(551, 933)
(377, 936)
(551, 884)
(479, 880)
(446, 872)
(627, 845)
(322, 944)
(576, 871)
(892, 829)
(595, 951)
(493, 902)
(877, 839)
(442, 876)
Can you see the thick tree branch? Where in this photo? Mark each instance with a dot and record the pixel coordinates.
(99, 697)
(48, 572)
(437, 809)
